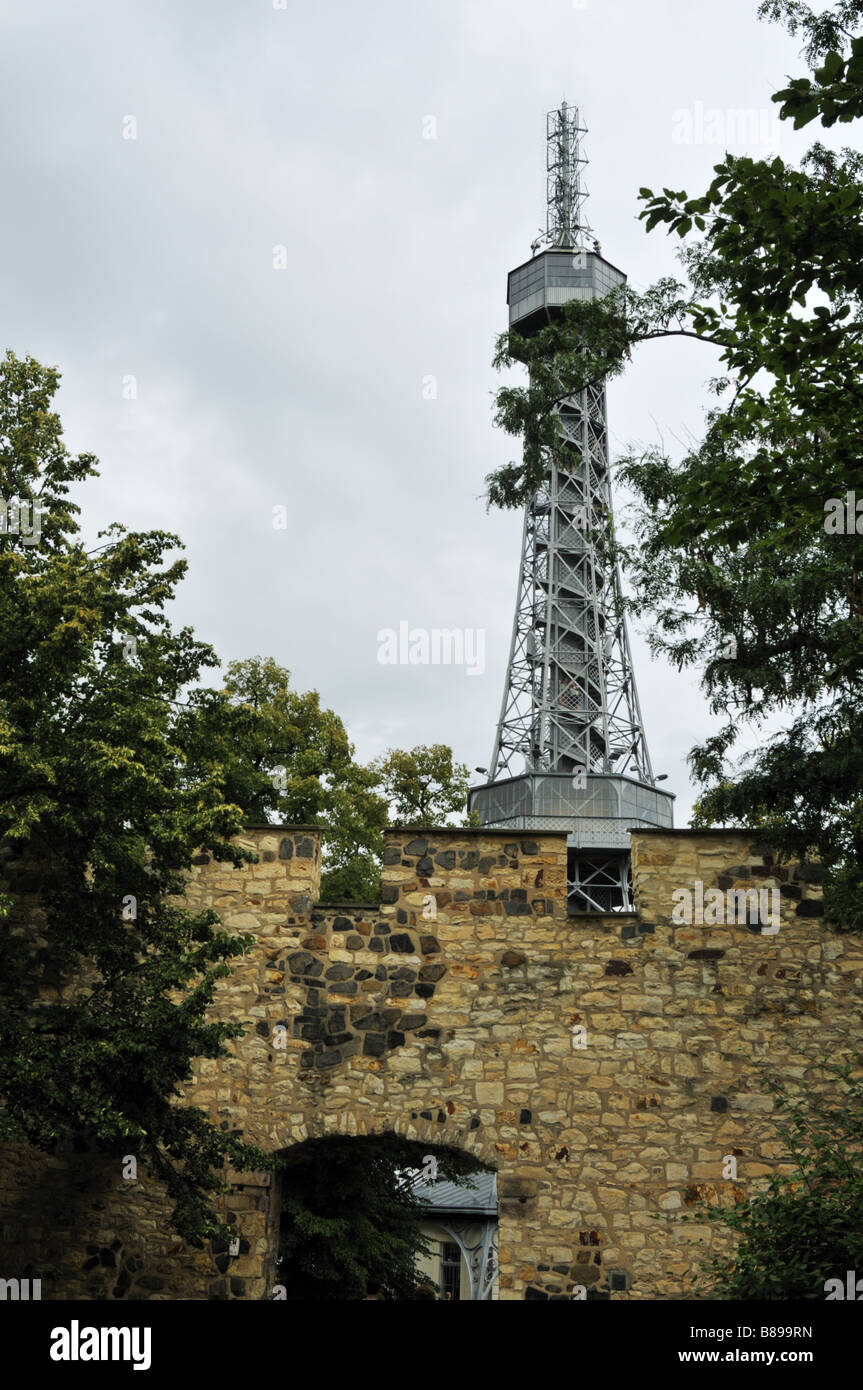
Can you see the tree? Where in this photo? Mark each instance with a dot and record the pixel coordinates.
(734, 560)
(424, 785)
(279, 756)
(806, 1228)
(104, 976)
(351, 1218)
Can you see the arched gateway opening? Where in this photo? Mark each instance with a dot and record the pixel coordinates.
(383, 1216)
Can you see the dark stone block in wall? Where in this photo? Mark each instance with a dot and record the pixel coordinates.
(627, 933)
(511, 959)
(238, 1287)
(301, 963)
(529, 847)
(425, 866)
(518, 1187)
(286, 848)
(268, 856)
(392, 855)
(619, 1280)
(790, 890)
(323, 1060)
(374, 1045)
(432, 972)
(219, 1289)
(469, 858)
(306, 848)
(401, 916)
(389, 893)
(364, 975)
(646, 928)
(402, 943)
(719, 1104)
(517, 910)
(429, 945)
(475, 1122)
(395, 1038)
(705, 953)
(531, 1294)
(446, 860)
(339, 972)
(618, 967)
(341, 924)
(381, 929)
(424, 991)
(369, 1022)
(354, 943)
(401, 989)
(525, 1117)
(411, 1021)
(416, 847)
(486, 864)
(376, 943)
(205, 859)
(810, 907)
(155, 1285)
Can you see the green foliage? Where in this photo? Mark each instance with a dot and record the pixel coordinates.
(350, 1219)
(423, 786)
(101, 1009)
(807, 1226)
(279, 756)
(732, 562)
(835, 94)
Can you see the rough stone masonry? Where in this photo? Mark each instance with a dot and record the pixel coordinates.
(606, 1065)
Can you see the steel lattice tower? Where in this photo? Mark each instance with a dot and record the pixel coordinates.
(570, 750)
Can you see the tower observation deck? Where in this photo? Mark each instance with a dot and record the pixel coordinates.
(570, 751)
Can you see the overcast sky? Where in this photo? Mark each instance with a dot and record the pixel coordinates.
(396, 150)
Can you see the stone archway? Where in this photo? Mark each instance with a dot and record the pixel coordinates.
(359, 1184)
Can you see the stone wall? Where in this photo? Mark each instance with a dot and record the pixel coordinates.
(607, 1066)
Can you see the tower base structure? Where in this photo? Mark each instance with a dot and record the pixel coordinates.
(596, 810)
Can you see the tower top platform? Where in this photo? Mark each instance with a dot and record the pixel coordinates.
(551, 279)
